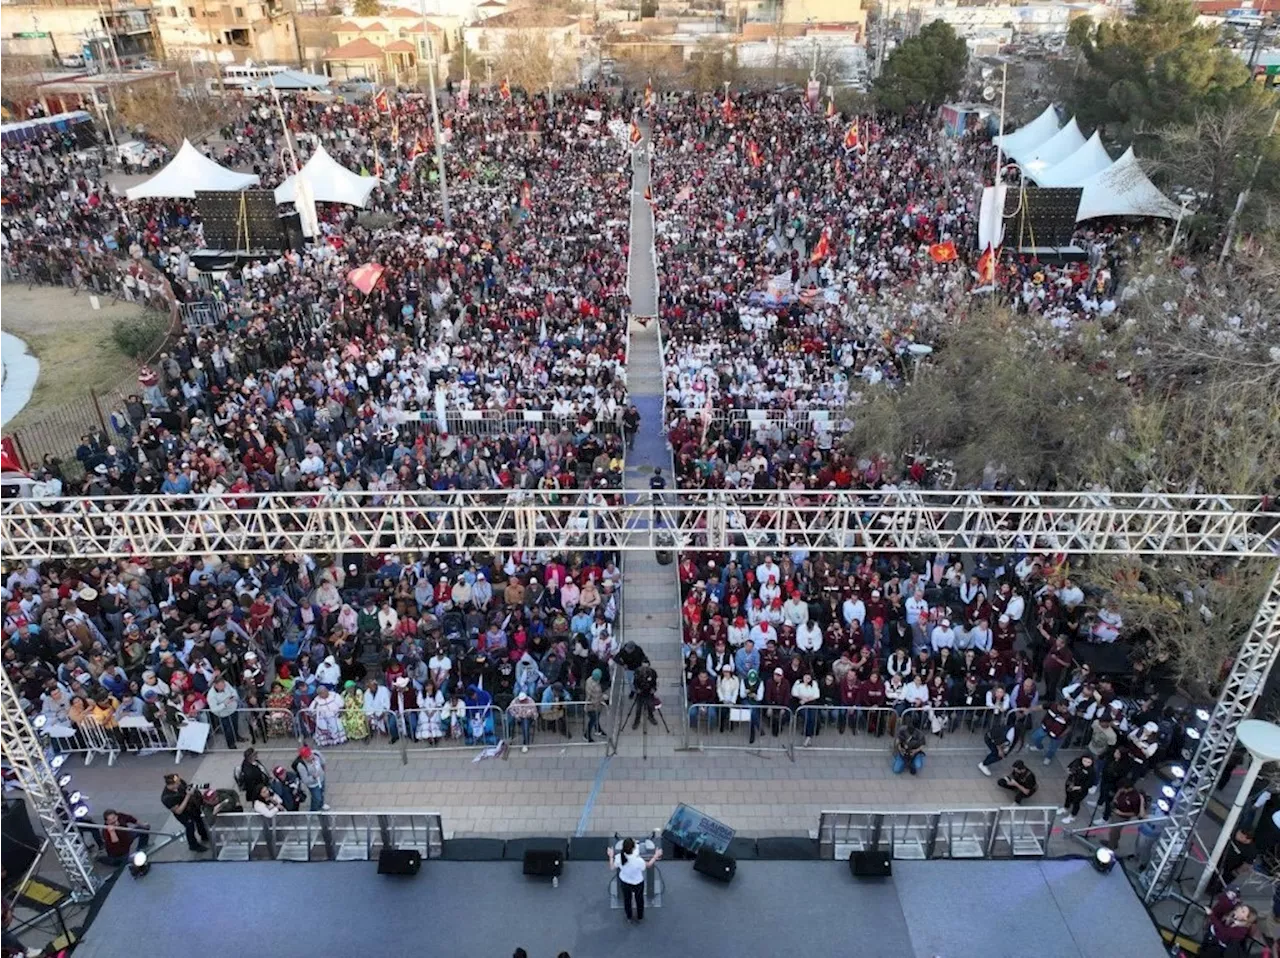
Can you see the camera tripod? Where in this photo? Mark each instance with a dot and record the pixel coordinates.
(644, 732)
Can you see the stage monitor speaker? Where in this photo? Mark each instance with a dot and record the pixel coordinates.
(543, 863)
(1040, 216)
(18, 843)
(399, 861)
(871, 864)
(240, 220)
(714, 865)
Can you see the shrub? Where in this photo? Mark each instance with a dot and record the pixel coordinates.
(139, 336)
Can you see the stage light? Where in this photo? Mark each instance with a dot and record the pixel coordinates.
(1164, 806)
(57, 762)
(39, 721)
(1168, 791)
(81, 811)
(1193, 734)
(64, 781)
(74, 798)
(1104, 859)
(1202, 715)
(1178, 772)
(139, 866)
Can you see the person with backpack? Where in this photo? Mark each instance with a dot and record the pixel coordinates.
(309, 767)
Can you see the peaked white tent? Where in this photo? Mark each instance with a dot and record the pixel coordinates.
(329, 182)
(1079, 166)
(1024, 141)
(1122, 189)
(187, 172)
(292, 80)
(1053, 150)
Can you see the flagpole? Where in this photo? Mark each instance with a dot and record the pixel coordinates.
(429, 46)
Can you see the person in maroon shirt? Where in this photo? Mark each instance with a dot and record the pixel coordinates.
(702, 693)
(119, 833)
(1004, 635)
(871, 695)
(1128, 805)
(1230, 924)
(777, 693)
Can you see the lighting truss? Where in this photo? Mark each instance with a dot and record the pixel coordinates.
(409, 523)
(25, 755)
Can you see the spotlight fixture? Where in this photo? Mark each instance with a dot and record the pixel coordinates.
(1202, 715)
(74, 798)
(1178, 772)
(57, 762)
(1164, 806)
(139, 866)
(1104, 859)
(1193, 734)
(1168, 792)
(81, 811)
(39, 721)
(64, 781)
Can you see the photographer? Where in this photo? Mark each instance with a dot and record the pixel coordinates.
(185, 802)
(646, 687)
(631, 655)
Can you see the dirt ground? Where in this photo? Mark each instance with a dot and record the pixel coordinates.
(71, 339)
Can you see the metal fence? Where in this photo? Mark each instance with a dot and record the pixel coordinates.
(497, 422)
(90, 739)
(759, 728)
(324, 836)
(1010, 832)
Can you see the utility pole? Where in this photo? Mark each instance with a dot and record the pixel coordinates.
(777, 38)
(1243, 198)
(435, 119)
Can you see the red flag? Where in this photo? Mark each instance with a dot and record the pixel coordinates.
(822, 250)
(648, 95)
(526, 196)
(366, 277)
(851, 136)
(636, 135)
(9, 461)
(753, 154)
(417, 148)
(648, 195)
(382, 102)
(726, 108)
(504, 89)
(987, 265)
(943, 252)
(831, 110)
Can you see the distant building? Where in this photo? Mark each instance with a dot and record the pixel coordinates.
(81, 33)
(385, 49)
(205, 31)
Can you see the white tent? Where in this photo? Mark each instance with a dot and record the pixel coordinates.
(292, 80)
(1122, 189)
(330, 182)
(187, 172)
(1025, 140)
(1053, 150)
(1079, 166)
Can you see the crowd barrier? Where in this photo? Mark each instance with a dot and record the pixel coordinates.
(497, 422)
(90, 739)
(757, 728)
(324, 836)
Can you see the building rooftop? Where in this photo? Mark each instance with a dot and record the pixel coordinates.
(361, 48)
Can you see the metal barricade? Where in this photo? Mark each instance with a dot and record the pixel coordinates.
(756, 728)
(86, 738)
(952, 729)
(324, 836)
(266, 729)
(551, 725)
(994, 833)
(832, 728)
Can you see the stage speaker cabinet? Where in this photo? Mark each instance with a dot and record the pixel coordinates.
(240, 220)
(543, 863)
(715, 865)
(871, 864)
(399, 861)
(1040, 216)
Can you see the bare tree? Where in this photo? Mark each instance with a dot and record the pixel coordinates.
(535, 59)
(167, 115)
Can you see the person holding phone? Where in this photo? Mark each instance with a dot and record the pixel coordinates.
(631, 866)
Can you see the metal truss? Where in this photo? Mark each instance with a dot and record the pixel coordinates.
(1072, 523)
(25, 755)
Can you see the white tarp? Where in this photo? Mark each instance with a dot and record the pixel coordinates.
(292, 80)
(187, 172)
(330, 182)
(1079, 166)
(1053, 150)
(1122, 189)
(991, 216)
(1024, 141)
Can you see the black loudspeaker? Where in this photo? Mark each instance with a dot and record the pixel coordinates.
(714, 865)
(18, 842)
(870, 864)
(544, 863)
(399, 861)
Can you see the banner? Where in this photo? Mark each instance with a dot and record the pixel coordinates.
(691, 830)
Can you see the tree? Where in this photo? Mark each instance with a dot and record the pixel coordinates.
(648, 8)
(1153, 68)
(169, 116)
(926, 69)
(534, 59)
(713, 64)
(368, 8)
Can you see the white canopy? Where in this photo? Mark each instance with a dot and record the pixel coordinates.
(1079, 166)
(1122, 189)
(1053, 150)
(330, 182)
(292, 80)
(187, 172)
(1024, 141)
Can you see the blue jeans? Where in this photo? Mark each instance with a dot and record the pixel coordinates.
(900, 763)
(410, 720)
(697, 712)
(317, 797)
(526, 729)
(1051, 746)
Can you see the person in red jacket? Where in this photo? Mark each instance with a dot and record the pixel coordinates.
(702, 693)
(1230, 924)
(777, 693)
(871, 695)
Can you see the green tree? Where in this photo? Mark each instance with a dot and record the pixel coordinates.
(1153, 68)
(368, 8)
(926, 69)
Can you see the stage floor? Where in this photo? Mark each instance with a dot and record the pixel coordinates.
(1050, 909)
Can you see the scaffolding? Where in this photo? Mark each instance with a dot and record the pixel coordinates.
(411, 523)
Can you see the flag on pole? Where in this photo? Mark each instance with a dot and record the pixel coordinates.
(648, 195)
(377, 161)
(504, 88)
(753, 154)
(417, 149)
(987, 265)
(382, 102)
(526, 196)
(648, 95)
(943, 252)
(726, 108)
(851, 136)
(366, 277)
(831, 110)
(822, 250)
(635, 135)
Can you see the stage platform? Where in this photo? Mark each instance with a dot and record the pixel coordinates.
(950, 909)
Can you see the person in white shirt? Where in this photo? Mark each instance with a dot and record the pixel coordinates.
(854, 610)
(795, 611)
(631, 868)
(805, 691)
(943, 636)
(916, 694)
(1070, 595)
(267, 804)
(1108, 625)
(728, 691)
(768, 569)
(998, 699)
(1016, 607)
(738, 632)
(917, 610)
(979, 637)
(770, 590)
(809, 638)
(762, 633)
